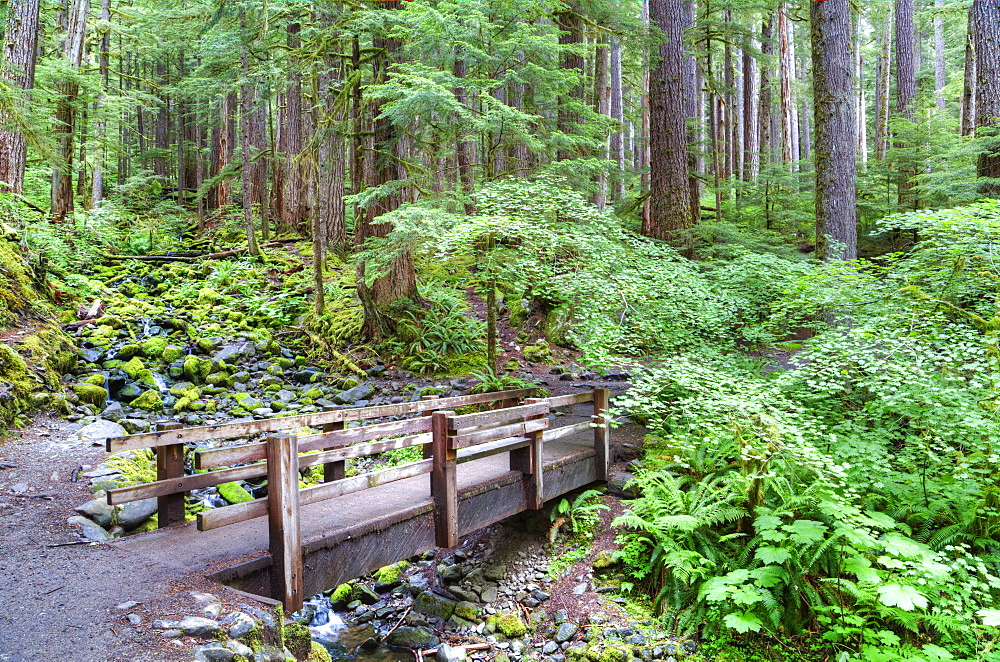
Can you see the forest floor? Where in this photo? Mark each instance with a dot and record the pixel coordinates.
(67, 598)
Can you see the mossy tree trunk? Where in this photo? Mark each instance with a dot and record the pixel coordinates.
(987, 48)
(17, 69)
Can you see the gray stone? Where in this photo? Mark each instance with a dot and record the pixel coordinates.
(616, 485)
(113, 412)
(490, 593)
(446, 653)
(365, 594)
(413, 637)
(240, 649)
(495, 572)
(451, 573)
(432, 604)
(284, 395)
(125, 606)
(636, 640)
(566, 632)
(241, 626)
(97, 509)
(234, 350)
(90, 529)
(468, 595)
(134, 619)
(350, 396)
(213, 653)
(550, 647)
(98, 431)
(134, 513)
(560, 617)
(192, 626)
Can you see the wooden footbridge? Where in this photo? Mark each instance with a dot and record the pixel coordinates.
(483, 466)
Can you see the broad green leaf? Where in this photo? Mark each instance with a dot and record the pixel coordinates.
(935, 653)
(899, 545)
(806, 531)
(772, 555)
(765, 522)
(862, 568)
(769, 575)
(743, 622)
(990, 616)
(904, 597)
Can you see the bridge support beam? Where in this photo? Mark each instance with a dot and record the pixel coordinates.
(283, 523)
(602, 433)
(444, 484)
(169, 465)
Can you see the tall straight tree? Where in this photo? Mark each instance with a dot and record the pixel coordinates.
(967, 122)
(17, 70)
(669, 190)
(987, 48)
(906, 85)
(73, 20)
(835, 130)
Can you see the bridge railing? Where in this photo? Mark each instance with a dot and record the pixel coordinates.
(448, 440)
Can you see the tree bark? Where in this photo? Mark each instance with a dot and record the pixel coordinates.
(669, 190)
(463, 148)
(968, 120)
(940, 77)
(74, 18)
(601, 103)
(906, 88)
(571, 26)
(617, 113)
(882, 89)
(765, 107)
(751, 125)
(17, 69)
(692, 110)
(785, 73)
(834, 151)
(250, 170)
(987, 47)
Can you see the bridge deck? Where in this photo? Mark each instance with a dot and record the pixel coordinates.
(350, 535)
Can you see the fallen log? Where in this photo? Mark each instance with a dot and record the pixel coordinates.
(76, 325)
(154, 258)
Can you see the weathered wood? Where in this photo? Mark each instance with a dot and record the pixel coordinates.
(499, 416)
(428, 448)
(246, 428)
(602, 432)
(571, 399)
(169, 466)
(219, 457)
(240, 512)
(568, 430)
(444, 487)
(333, 470)
(283, 523)
(534, 488)
(492, 448)
(520, 428)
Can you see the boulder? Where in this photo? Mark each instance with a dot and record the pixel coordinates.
(90, 529)
(97, 509)
(352, 395)
(192, 626)
(434, 605)
(413, 637)
(134, 513)
(98, 431)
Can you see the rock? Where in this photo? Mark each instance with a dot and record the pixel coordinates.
(135, 513)
(350, 396)
(113, 412)
(451, 573)
(495, 572)
(213, 653)
(192, 626)
(90, 529)
(365, 594)
(91, 394)
(284, 395)
(134, 619)
(550, 647)
(97, 509)
(308, 376)
(490, 593)
(129, 393)
(434, 605)
(605, 559)
(98, 431)
(465, 595)
(446, 653)
(413, 637)
(616, 485)
(539, 352)
(566, 632)
(466, 610)
(241, 626)
(150, 401)
(240, 649)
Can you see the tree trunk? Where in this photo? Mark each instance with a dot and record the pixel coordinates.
(785, 73)
(223, 149)
(17, 70)
(250, 169)
(834, 152)
(571, 26)
(463, 148)
(67, 90)
(987, 47)
(617, 113)
(669, 190)
(97, 188)
(940, 78)
(968, 120)
(882, 89)
(861, 119)
(751, 124)
(765, 108)
(601, 104)
(692, 110)
(906, 88)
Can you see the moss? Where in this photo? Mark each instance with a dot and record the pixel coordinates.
(313, 393)
(218, 379)
(390, 574)
(512, 364)
(298, 640)
(91, 393)
(234, 493)
(614, 654)
(171, 353)
(205, 345)
(153, 348)
(146, 378)
(208, 297)
(342, 593)
(518, 312)
(318, 654)
(539, 352)
(133, 366)
(97, 379)
(125, 352)
(149, 400)
(510, 625)
(559, 326)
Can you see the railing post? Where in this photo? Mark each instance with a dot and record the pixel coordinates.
(428, 449)
(444, 486)
(284, 536)
(602, 433)
(509, 402)
(333, 470)
(529, 461)
(169, 464)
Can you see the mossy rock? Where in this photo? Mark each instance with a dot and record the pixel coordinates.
(614, 653)
(171, 353)
(146, 378)
(153, 348)
(218, 379)
(234, 493)
(133, 366)
(205, 345)
(149, 400)
(605, 559)
(97, 379)
(91, 394)
(539, 352)
(298, 640)
(390, 575)
(341, 595)
(510, 625)
(520, 309)
(126, 352)
(512, 364)
(313, 394)
(208, 297)
(180, 389)
(559, 326)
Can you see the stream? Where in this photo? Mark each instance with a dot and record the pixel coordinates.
(359, 642)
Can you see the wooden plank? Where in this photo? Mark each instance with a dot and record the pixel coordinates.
(160, 488)
(221, 457)
(571, 399)
(428, 450)
(169, 466)
(362, 450)
(283, 523)
(444, 487)
(568, 430)
(333, 470)
(492, 448)
(502, 432)
(602, 433)
(499, 416)
(240, 512)
(247, 428)
(535, 488)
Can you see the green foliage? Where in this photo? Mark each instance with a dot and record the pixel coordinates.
(578, 514)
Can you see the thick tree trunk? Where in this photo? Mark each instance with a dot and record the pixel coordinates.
(222, 151)
(906, 88)
(834, 152)
(669, 190)
(751, 119)
(785, 88)
(250, 169)
(940, 78)
(463, 148)
(617, 113)
(692, 110)
(601, 103)
(571, 26)
(766, 110)
(97, 188)
(17, 70)
(68, 90)
(968, 120)
(987, 47)
(861, 119)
